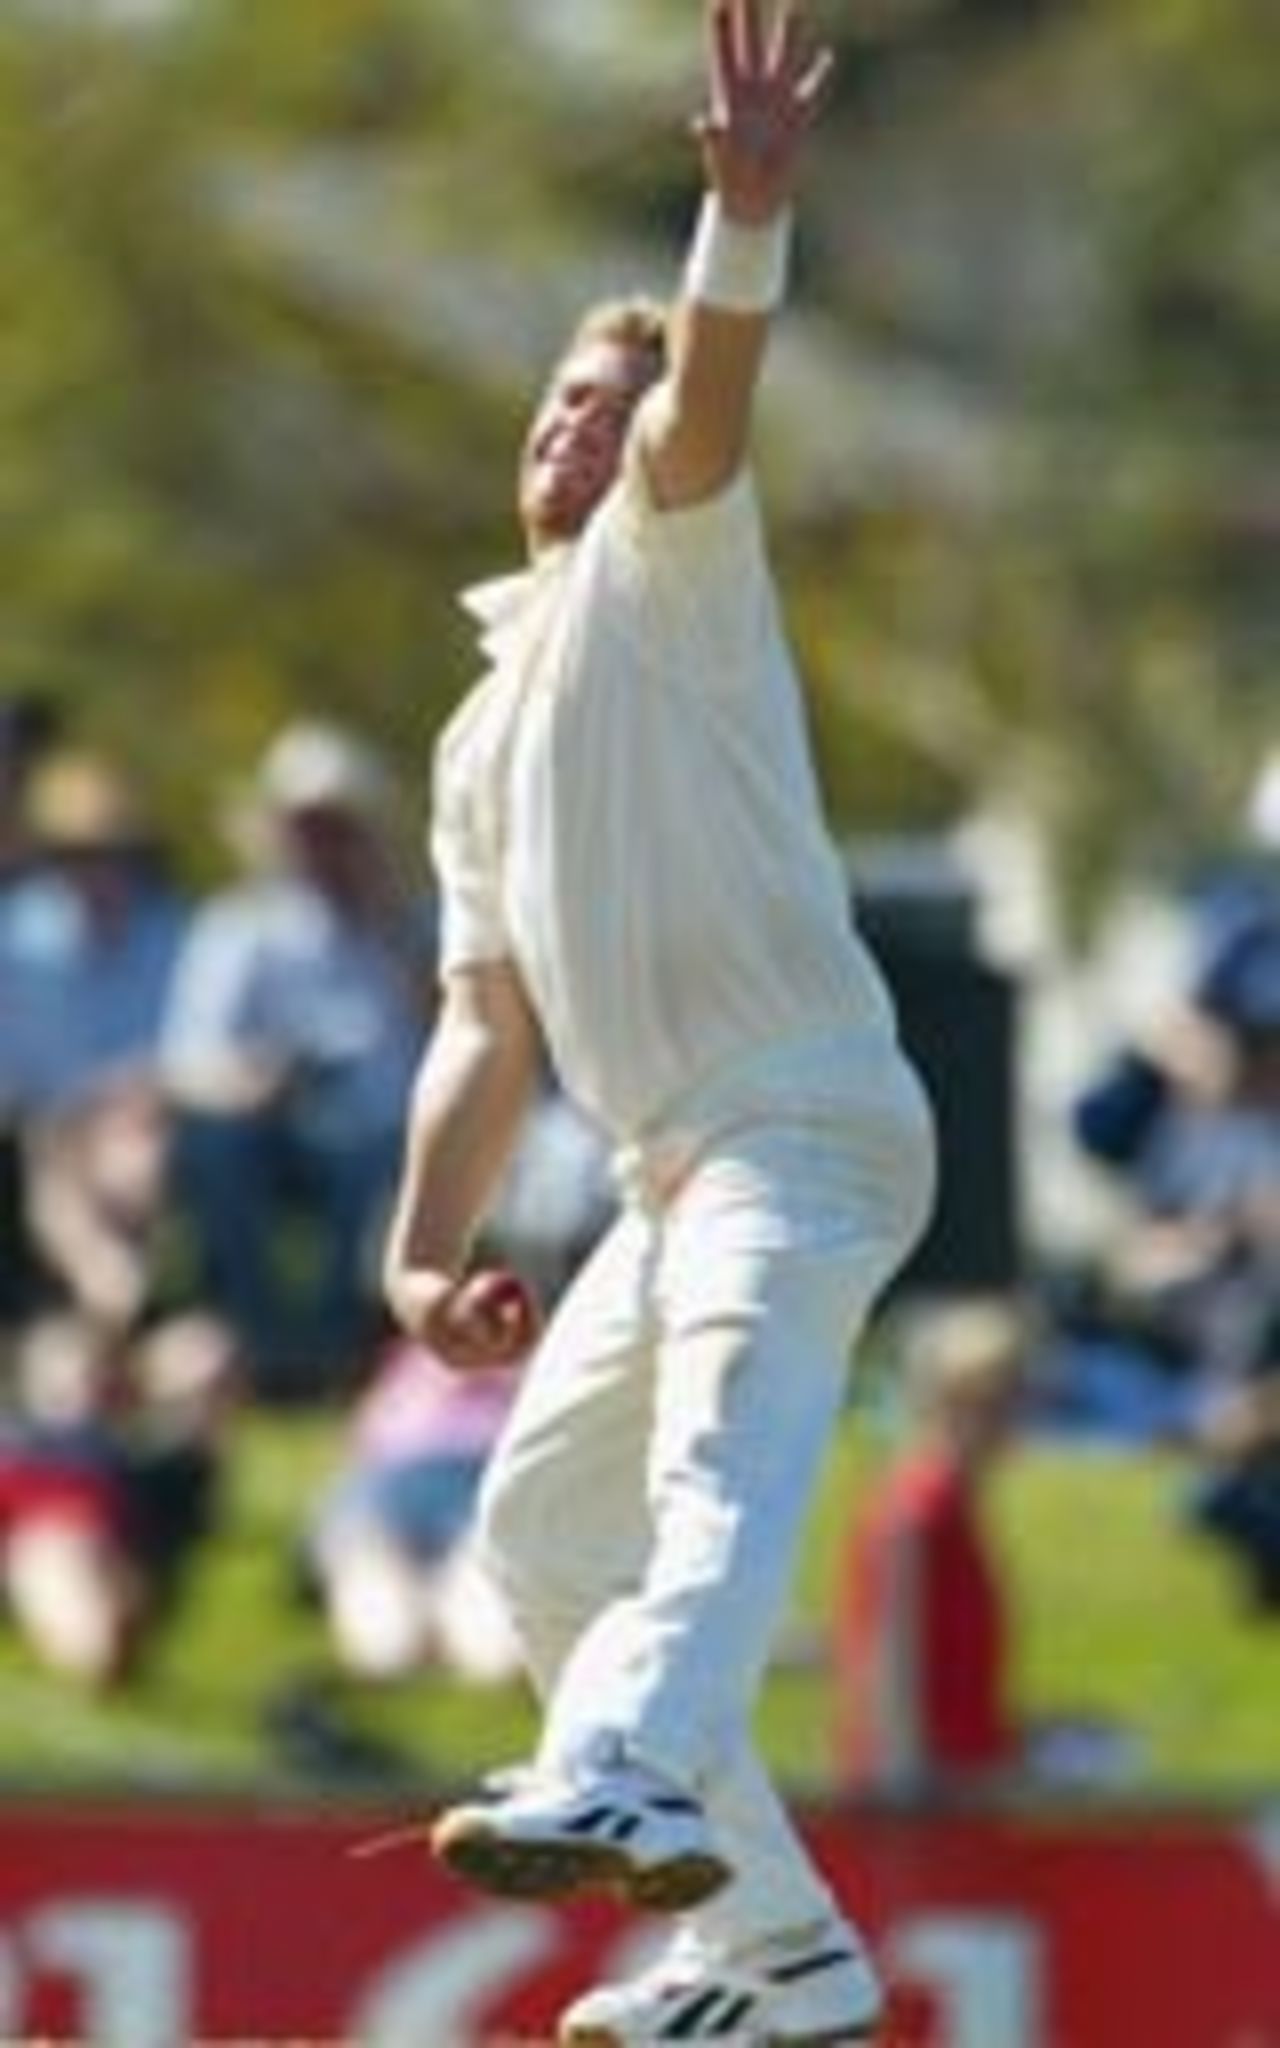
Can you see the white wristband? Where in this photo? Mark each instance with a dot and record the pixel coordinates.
(739, 269)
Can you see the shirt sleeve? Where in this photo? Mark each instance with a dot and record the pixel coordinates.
(726, 523)
(213, 1010)
(466, 856)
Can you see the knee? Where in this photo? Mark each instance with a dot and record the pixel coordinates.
(527, 1548)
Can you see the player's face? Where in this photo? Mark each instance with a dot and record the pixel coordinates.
(573, 448)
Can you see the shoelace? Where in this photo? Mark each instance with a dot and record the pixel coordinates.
(408, 1836)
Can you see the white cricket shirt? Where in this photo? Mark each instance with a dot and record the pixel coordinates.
(626, 807)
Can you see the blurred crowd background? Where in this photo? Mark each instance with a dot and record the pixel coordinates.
(282, 282)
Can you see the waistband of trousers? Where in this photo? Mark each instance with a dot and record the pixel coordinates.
(822, 1077)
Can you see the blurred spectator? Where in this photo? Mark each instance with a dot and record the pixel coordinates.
(88, 939)
(29, 728)
(17, 1265)
(109, 1466)
(1245, 881)
(89, 933)
(388, 1547)
(922, 1628)
(96, 1178)
(296, 1020)
(1189, 1125)
(1237, 1498)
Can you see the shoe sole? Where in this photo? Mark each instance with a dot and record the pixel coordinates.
(482, 1856)
(858, 2037)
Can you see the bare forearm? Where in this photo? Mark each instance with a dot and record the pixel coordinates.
(765, 84)
(468, 1105)
(696, 437)
(102, 1266)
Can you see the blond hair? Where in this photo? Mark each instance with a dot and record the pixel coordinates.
(637, 322)
(973, 1350)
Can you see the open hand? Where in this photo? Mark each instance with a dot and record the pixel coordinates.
(766, 85)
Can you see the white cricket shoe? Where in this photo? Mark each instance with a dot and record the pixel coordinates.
(623, 1829)
(817, 1987)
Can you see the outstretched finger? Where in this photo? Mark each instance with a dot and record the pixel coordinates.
(749, 39)
(814, 84)
(722, 60)
(790, 43)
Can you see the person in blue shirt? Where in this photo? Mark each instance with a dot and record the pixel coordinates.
(297, 1016)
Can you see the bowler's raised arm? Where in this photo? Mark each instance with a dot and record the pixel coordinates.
(766, 81)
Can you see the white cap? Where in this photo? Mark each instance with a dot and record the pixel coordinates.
(314, 765)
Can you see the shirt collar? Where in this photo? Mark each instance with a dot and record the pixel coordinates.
(502, 605)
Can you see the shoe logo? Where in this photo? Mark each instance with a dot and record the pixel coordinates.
(807, 1966)
(610, 1823)
(709, 2015)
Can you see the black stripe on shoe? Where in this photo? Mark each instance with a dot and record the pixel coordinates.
(706, 2015)
(592, 1821)
(737, 2011)
(614, 1823)
(623, 1826)
(807, 1966)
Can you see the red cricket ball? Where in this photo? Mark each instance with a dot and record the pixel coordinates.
(507, 1305)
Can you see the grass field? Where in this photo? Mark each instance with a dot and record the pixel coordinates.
(1122, 1614)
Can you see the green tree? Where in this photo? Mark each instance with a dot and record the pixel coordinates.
(281, 279)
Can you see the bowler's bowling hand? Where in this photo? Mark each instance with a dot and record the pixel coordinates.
(487, 1319)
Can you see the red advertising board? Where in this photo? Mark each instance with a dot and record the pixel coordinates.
(150, 1927)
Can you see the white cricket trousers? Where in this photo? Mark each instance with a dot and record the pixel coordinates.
(642, 1511)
